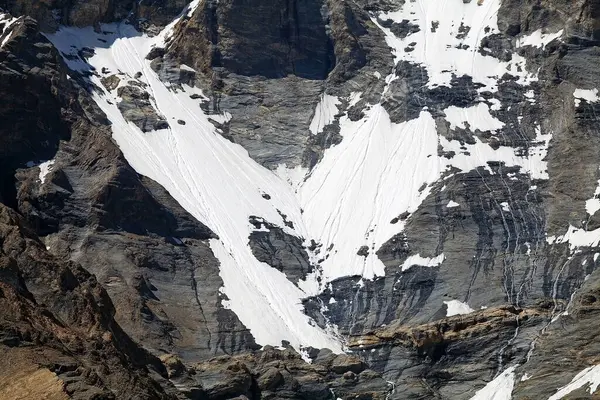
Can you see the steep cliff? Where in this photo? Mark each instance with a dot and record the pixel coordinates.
(412, 183)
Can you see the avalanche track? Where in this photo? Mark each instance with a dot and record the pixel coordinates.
(380, 169)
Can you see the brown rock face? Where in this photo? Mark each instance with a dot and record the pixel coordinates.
(58, 315)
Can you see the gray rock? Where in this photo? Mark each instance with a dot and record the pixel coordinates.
(280, 250)
(136, 106)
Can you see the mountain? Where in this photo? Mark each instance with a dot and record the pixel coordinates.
(316, 199)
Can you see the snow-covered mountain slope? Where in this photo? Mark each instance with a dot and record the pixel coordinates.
(379, 171)
(414, 183)
(210, 177)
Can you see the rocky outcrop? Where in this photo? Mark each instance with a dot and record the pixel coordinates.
(282, 373)
(447, 358)
(282, 251)
(293, 39)
(57, 323)
(250, 74)
(135, 105)
(29, 75)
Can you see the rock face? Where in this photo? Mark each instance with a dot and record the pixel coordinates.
(306, 46)
(274, 374)
(272, 245)
(51, 14)
(110, 288)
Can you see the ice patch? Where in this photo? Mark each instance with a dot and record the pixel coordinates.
(456, 307)
(221, 118)
(7, 20)
(417, 260)
(589, 377)
(577, 237)
(45, 168)
(470, 156)
(538, 39)
(325, 113)
(187, 68)
(592, 205)
(452, 204)
(590, 95)
(354, 98)
(293, 176)
(452, 48)
(477, 117)
(500, 388)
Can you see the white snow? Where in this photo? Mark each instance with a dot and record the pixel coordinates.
(452, 204)
(441, 52)
(530, 94)
(470, 156)
(590, 95)
(293, 176)
(477, 117)
(361, 184)
(577, 237)
(592, 205)
(187, 68)
(45, 168)
(221, 118)
(456, 307)
(325, 113)
(589, 377)
(354, 98)
(423, 261)
(212, 178)
(525, 377)
(505, 206)
(8, 21)
(538, 39)
(500, 388)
